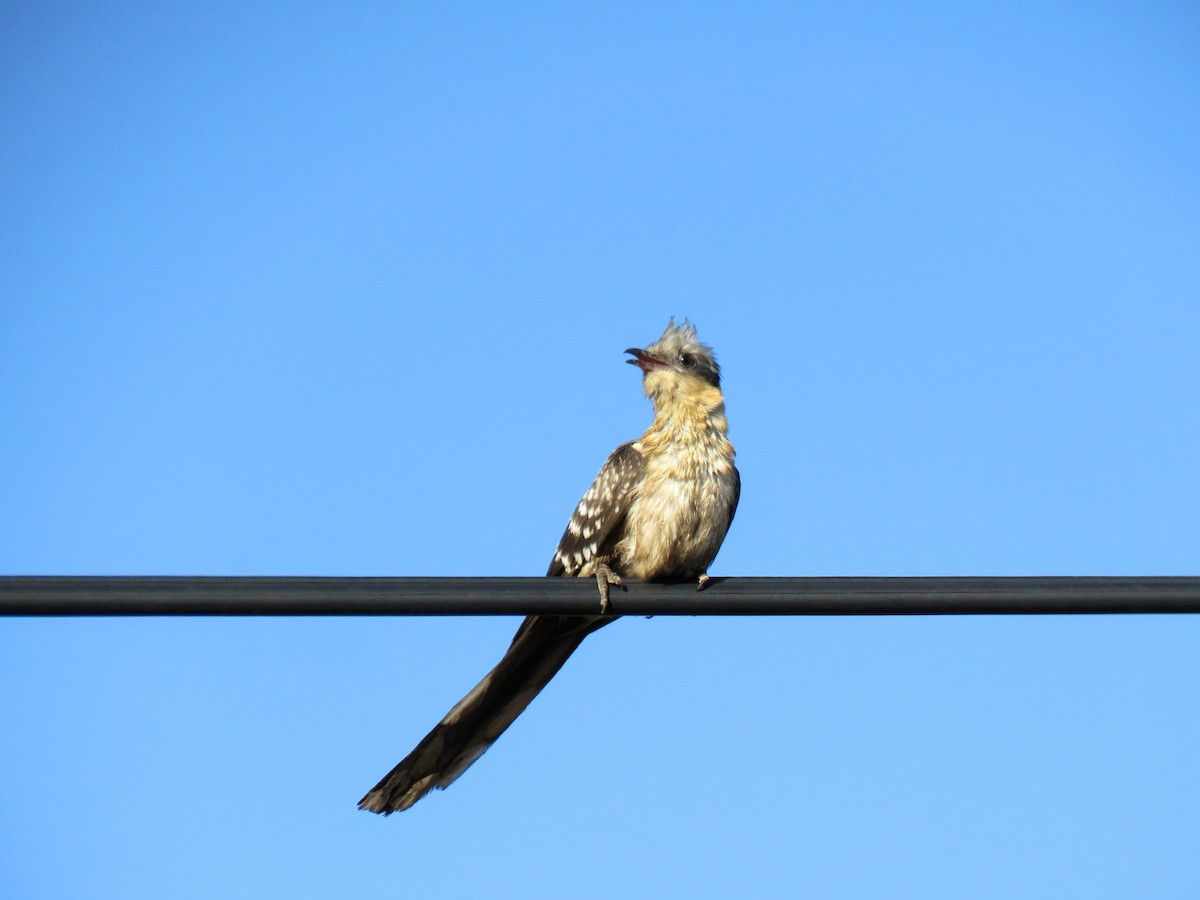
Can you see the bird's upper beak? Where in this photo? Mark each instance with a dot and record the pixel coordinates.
(643, 360)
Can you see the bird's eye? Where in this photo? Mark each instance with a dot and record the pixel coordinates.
(687, 360)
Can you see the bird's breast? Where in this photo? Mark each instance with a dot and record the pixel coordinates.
(680, 511)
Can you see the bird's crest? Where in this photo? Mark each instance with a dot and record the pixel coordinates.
(680, 347)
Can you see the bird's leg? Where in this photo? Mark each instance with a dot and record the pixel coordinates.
(604, 577)
(703, 582)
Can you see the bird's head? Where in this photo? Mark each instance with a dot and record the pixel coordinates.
(677, 364)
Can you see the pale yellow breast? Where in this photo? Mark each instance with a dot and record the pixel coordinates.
(681, 510)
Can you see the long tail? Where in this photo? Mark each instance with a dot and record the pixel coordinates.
(541, 645)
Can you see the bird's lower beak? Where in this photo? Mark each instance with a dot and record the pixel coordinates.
(643, 360)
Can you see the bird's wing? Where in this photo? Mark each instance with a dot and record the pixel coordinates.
(595, 526)
(737, 495)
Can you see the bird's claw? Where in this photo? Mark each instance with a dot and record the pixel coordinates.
(604, 577)
(703, 582)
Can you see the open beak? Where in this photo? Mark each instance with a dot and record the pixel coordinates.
(643, 360)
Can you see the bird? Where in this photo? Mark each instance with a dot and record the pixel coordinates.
(658, 510)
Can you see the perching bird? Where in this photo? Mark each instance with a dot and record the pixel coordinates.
(658, 510)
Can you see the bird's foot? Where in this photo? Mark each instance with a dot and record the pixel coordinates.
(703, 582)
(604, 577)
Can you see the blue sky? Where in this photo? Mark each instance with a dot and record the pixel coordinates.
(343, 290)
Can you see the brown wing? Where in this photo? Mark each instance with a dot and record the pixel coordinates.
(595, 526)
(737, 494)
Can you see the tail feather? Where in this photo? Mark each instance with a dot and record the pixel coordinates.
(538, 651)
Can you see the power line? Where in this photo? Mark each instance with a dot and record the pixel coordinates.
(309, 596)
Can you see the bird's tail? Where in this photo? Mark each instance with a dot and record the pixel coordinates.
(541, 645)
